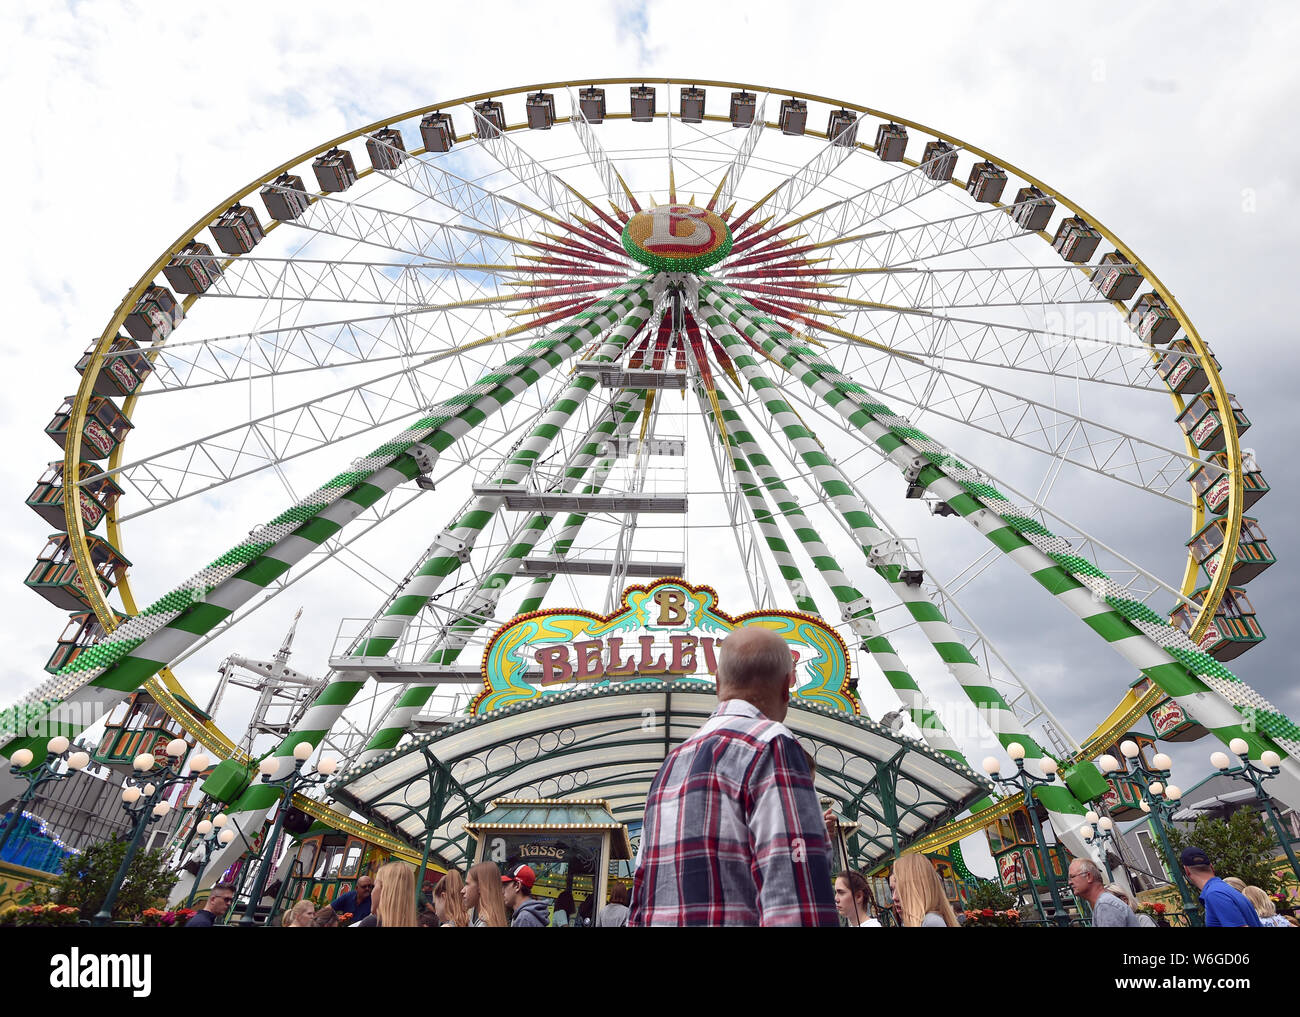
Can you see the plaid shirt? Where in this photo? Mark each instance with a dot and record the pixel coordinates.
(733, 833)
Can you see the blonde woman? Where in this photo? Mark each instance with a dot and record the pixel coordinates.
(920, 892)
(1268, 916)
(394, 896)
(483, 897)
(301, 915)
(449, 902)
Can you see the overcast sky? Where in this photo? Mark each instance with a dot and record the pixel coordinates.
(1170, 122)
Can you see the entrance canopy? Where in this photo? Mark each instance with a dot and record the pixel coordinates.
(609, 743)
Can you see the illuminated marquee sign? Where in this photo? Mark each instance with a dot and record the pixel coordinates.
(667, 631)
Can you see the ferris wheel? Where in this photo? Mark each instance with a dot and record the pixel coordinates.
(525, 347)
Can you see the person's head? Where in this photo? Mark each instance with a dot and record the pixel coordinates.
(301, 915)
(1196, 864)
(517, 885)
(895, 904)
(564, 902)
(449, 900)
(851, 897)
(1259, 901)
(618, 894)
(755, 664)
(482, 894)
(325, 918)
(1237, 884)
(1085, 880)
(1116, 890)
(365, 886)
(920, 891)
(395, 895)
(219, 899)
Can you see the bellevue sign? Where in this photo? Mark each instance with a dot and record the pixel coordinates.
(667, 631)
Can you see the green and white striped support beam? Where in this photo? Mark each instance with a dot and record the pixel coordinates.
(845, 593)
(757, 503)
(1206, 690)
(462, 535)
(103, 674)
(928, 617)
(618, 419)
(724, 321)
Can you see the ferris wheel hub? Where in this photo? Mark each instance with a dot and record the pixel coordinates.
(677, 238)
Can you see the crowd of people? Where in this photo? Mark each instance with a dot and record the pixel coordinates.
(734, 834)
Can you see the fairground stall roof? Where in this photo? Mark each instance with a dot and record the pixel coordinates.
(609, 743)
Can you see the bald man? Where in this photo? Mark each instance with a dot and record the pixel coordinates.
(733, 831)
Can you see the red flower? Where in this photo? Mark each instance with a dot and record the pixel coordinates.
(987, 912)
(1160, 908)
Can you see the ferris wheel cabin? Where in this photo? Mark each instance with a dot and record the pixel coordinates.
(1180, 368)
(986, 182)
(285, 197)
(891, 142)
(1234, 629)
(1116, 278)
(104, 430)
(1201, 422)
(1211, 482)
(55, 575)
(1075, 240)
(386, 149)
(939, 160)
(1019, 859)
(335, 171)
(540, 111)
(122, 368)
(1151, 318)
(97, 496)
(155, 315)
(437, 132)
(489, 118)
(1033, 209)
(743, 105)
(794, 116)
(592, 103)
(1253, 555)
(237, 230)
(692, 107)
(192, 269)
(642, 98)
(83, 629)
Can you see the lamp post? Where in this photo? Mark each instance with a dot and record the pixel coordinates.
(211, 832)
(57, 750)
(1255, 776)
(144, 802)
(1027, 783)
(290, 783)
(1099, 829)
(1158, 800)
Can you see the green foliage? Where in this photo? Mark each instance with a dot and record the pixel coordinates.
(87, 876)
(1241, 847)
(989, 893)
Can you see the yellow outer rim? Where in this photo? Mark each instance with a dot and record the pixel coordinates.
(165, 686)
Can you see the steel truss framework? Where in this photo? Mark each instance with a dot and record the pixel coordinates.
(452, 295)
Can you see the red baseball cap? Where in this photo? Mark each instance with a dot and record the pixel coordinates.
(525, 875)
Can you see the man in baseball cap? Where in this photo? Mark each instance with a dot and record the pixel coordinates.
(1223, 905)
(517, 886)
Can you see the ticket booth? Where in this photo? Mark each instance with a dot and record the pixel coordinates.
(569, 844)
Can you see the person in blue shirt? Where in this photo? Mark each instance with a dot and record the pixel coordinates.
(355, 901)
(1223, 905)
